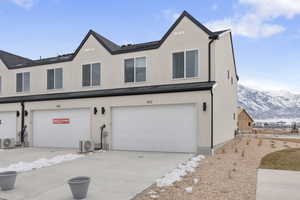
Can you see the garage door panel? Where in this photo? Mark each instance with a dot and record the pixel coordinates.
(60, 128)
(8, 125)
(169, 128)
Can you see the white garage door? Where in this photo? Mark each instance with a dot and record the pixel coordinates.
(8, 125)
(170, 128)
(60, 128)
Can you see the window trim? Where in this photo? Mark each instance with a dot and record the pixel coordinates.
(23, 82)
(55, 79)
(184, 51)
(91, 75)
(134, 69)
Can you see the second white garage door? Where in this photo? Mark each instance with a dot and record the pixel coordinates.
(60, 128)
(8, 125)
(166, 128)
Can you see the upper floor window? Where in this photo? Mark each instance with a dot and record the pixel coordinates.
(23, 82)
(135, 69)
(91, 74)
(54, 78)
(0, 84)
(185, 64)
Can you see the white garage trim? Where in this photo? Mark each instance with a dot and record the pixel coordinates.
(165, 128)
(8, 125)
(61, 128)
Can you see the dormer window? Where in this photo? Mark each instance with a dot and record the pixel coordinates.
(91, 74)
(185, 64)
(135, 70)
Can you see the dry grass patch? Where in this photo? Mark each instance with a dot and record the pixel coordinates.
(287, 159)
(228, 175)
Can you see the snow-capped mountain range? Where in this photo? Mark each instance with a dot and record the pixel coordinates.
(269, 104)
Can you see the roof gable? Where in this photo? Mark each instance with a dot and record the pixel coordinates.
(110, 46)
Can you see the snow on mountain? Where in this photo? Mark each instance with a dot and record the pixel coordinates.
(269, 104)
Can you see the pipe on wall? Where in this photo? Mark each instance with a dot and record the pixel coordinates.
(212, 39)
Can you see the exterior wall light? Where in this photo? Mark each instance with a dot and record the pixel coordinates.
(95, 111)
(204, 106)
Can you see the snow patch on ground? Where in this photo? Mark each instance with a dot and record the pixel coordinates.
(41, 163)
(182, 170)
(189, 189)
(195, 180)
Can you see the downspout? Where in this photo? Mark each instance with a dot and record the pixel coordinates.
(212, 39)
(22, 121)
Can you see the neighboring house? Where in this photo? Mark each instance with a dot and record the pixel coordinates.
(177, 94)
(245, 121)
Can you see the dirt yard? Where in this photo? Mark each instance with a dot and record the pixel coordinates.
(228, 175)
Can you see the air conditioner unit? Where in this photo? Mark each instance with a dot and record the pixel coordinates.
(7, 143)
(86, 146)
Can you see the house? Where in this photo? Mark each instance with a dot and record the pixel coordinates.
(245, 121)
(177, 94)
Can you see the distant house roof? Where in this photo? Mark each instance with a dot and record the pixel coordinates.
(240, 110)
(15, 62)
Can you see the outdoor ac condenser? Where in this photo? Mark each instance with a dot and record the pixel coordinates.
(86, 146)
(7, 143)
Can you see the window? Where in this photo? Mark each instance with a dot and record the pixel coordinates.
(135, 69)
(23, 82)
(249, 123)
(91, 74)
(185, 64)
(54, 78)
(228, 74)
(0, 84)
(231, 81)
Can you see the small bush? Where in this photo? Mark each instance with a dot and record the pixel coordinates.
(248, 141)
(243, 153)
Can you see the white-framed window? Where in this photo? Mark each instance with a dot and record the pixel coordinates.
(91, 74)
(185, 64)
(23, 82)
(135, 70)
(54, 78)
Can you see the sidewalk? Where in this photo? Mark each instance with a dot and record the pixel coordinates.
(277, 185)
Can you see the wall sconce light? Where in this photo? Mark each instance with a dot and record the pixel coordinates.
(95, 111)
(18, 113)
(204, 106)
(26, 113)
(102, 110)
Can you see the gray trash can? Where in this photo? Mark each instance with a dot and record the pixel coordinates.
(8, 180)
(79, 186)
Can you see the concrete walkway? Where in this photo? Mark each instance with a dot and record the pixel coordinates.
(278, 185)
(116, 175)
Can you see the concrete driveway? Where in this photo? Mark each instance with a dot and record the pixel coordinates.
(278, 185)
(116, 175)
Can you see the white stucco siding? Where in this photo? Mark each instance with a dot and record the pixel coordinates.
(225, 93)
(196, 98)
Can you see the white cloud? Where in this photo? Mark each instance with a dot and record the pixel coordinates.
(257, 21)
(24, 3)
(170, 14)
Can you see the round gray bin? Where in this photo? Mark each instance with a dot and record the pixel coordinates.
(8, 180)
(79, 186)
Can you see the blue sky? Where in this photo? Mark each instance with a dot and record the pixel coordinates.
(266, 32)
